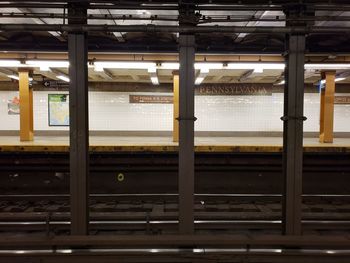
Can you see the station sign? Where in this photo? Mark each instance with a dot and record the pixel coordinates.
(342, 100)
(55, 84)
(154, 99)
(235, 89)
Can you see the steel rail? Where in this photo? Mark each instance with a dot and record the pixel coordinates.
(162, 241)
(254, 223)
(172, 29)
(170, 195)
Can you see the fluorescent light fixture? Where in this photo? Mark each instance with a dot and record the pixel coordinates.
(64, 78)
(204, 71)
(208, 66)
(323, 81)
(10, 63)
(328, 66)
(255, 66)
(199, 80)
(155, 80)
(170, 65)
(199, 65)
(13, 77)
(46, 64)
(258, 70)
(44, 68)
(124, 65)
(98, 68)
(152, 70)
(339, 79)
(16, 77)
(282, 82)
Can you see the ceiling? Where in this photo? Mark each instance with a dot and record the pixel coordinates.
(244, 13)
(139, 13)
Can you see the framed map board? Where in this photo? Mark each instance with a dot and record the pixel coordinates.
(58, 105)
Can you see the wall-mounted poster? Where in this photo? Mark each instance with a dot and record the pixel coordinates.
(13, 106)
(58, 109)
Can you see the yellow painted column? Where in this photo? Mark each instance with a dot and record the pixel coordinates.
(26, 106)
(327, 107)
(176, 106)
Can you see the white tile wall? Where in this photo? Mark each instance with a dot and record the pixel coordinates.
(112, 111)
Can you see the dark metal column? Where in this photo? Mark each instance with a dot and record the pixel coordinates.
(186, 134)
(293, 132)
(79, 125)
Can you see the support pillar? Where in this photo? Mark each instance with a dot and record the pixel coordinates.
(26, 106)
(175, 106)
(293, 134)
(79, 125)
(327, 107)
(186, 134)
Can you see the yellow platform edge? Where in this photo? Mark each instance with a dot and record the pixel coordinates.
(170, 148)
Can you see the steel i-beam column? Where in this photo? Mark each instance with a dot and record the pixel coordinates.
(293, 134)
(186, 134)
(79, 125)
(175, 106)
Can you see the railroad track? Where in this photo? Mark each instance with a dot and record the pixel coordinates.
(144, 214)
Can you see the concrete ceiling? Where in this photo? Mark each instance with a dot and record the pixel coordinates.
(141, 42)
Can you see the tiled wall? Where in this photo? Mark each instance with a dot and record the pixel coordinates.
(112, 111)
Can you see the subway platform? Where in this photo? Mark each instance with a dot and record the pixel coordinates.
(165, 144)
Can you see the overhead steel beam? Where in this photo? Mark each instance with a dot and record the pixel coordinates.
(258, 14)
(186, 134)
(118, 35)
(107, 16)
(79, 126)
(205, 5)
(174, 29)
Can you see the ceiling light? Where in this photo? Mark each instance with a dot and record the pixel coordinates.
(328, 66)
(282, 82)
(98, 68)
(44, 68)
(124, 65)
(199, 80)
(10, 63)
(170, 65)
(199, 65)
(155, 80)
(323, 81)
(152, 70)
(46, 64)
(208, 66)
(17, 77)
(258, 70)
(64, 78)
(255, 66)
(13, 77)
(339, 79)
